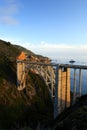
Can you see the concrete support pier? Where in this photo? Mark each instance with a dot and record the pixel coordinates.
(21, 75)
(62, 90)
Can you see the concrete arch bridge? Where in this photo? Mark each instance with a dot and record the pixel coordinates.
(57, 79)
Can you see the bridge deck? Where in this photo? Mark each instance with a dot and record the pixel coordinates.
(58, 64)
(74, 66)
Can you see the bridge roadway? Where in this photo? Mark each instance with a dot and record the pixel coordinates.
(56, 64)
(57, 78)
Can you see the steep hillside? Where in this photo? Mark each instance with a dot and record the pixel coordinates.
(20, 48)
(8, 56)
(28, 52)
(25, 108)
(74, 118)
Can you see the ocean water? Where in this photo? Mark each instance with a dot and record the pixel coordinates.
(84, 81)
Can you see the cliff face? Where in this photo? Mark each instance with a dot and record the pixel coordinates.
(25, 108)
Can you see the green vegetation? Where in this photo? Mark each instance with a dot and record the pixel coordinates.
(25, 109)
(23, 49)
(74, 118)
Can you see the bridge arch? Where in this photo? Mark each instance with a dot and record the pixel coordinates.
(57, 79)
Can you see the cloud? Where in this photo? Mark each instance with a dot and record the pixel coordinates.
(8, 20)
(59, 51)
(9, 9)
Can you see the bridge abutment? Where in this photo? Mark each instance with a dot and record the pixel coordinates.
(21, 75)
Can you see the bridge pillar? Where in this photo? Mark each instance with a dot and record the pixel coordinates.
(21, 76)
(62, 96)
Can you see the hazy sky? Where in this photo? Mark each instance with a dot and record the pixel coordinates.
(54, 28)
